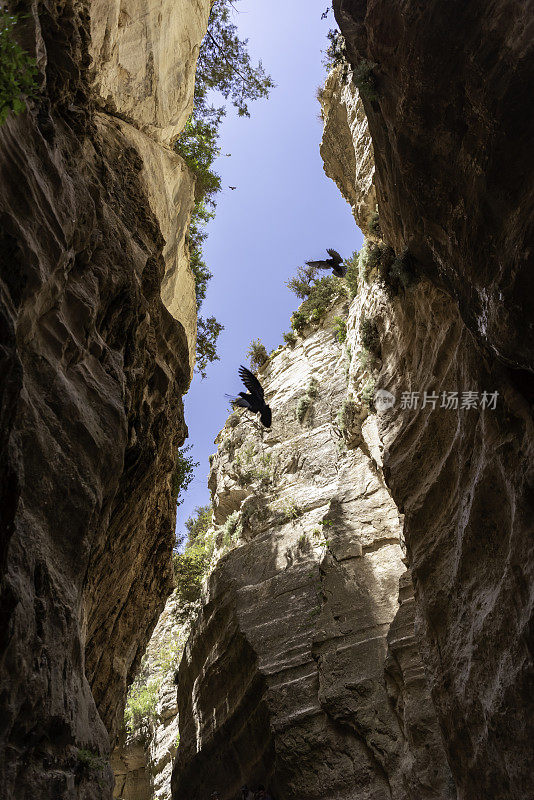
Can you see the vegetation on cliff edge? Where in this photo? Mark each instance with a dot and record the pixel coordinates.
(191, 565)
(224, 65)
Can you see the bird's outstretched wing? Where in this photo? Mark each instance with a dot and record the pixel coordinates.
(334, 254)
(319, 264)
(251, 382)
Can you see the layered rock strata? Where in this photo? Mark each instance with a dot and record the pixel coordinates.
(283, 678)
(93, 214)
(450, 126)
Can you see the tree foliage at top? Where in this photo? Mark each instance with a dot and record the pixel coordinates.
(223, 66)
(18, 73)
(183, 473)
(198, 524)
(196, 236)
(335, 53)
(197, 144)
(208, 331)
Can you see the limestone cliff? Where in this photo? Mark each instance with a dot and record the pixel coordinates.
(142, 760)
(283, 679)
(444, 93)
(346, 147)
(97, 313)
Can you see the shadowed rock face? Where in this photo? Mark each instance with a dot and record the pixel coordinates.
(93, 367)
(462, 479)
(282, 680)
(451, 130)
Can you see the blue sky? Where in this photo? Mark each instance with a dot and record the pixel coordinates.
(283, 211)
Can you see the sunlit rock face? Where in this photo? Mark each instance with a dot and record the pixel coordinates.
(346, 146)
(283, 678)
(93, 370)
(451, 127)
(144, 58)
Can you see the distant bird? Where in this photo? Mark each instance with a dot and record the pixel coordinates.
(255, 400)
(232, 187)
(334, 263)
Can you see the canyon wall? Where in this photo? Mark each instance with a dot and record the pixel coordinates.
(142, 760)
(98, 326)
(287, 678)
(445, 91)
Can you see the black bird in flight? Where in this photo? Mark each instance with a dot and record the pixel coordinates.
(255, 399)
(335, 263)
(232, 187)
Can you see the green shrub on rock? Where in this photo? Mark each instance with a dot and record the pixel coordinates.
(345, 415)
(231, 529)
(18, 72)
(369, 335)
(400, 274)
(258, 355)
(191, 565)
(340, 328)
(303, 405)
(368, 393)
(140, 709)
(183, 473)
(352, 277)
(290, 338)
(314, 308)
(305, 402)
(363, 77)
(373, 223)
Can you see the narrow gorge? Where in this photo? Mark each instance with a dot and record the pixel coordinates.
(358, 624)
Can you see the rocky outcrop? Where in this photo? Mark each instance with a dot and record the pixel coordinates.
(346, 146)
(93, 370)
(282, 680)
(450, 123)
(144, 59)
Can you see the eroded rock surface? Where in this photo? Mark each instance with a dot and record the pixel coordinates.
(93, 369)
(450, 127)
(144, 59)
(346, 146)
(282, 680)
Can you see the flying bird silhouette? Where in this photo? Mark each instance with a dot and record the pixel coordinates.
(232, 187)
(255, 399)
(335, 263)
